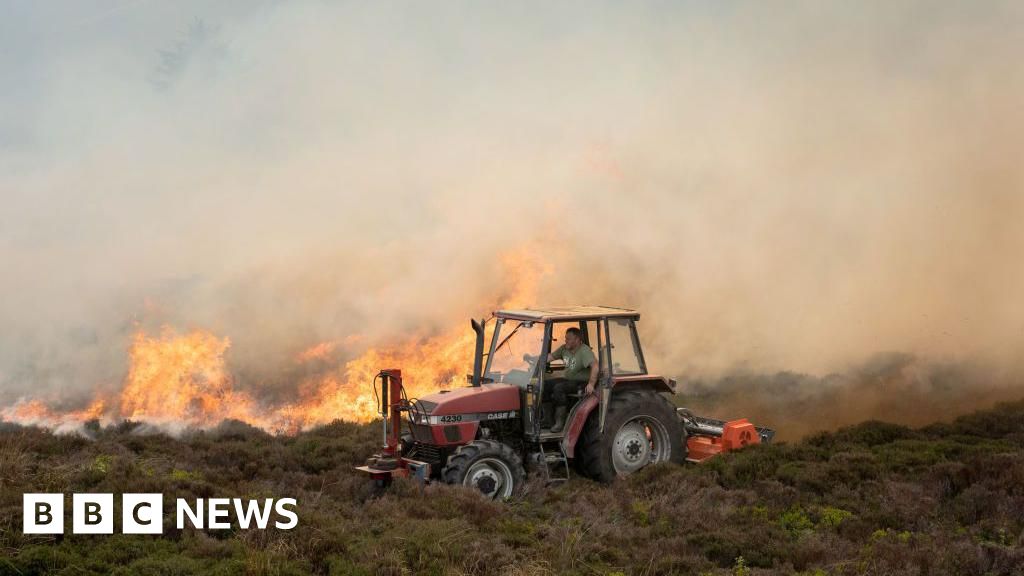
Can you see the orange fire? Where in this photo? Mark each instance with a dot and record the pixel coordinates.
(173, 381)
(182, 380)
(428, 364)
(438, 362)
(38, 413)
(320, 351)
(177, 380)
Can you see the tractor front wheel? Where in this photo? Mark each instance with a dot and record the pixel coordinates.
(492, 468)
(641, 429)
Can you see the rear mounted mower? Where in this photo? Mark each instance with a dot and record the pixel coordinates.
(488, 434)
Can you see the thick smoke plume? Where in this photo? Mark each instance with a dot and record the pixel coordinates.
(815, 207)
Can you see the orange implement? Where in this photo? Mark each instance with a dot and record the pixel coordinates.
(735, 434)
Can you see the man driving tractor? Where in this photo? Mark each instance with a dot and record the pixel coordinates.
(581, 366)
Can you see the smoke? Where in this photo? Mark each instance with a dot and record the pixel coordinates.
(779, 192)
(891, 387)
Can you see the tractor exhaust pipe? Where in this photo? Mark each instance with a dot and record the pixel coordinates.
(478, 355)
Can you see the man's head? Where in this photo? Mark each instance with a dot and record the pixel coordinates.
(573, 338)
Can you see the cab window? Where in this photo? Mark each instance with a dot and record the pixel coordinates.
(625, 352)
(558, 339)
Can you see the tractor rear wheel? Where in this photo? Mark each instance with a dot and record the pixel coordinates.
(492, 468)
(641, 428)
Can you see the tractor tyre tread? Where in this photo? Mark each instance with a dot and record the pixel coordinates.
(464, 456)
(594, 448)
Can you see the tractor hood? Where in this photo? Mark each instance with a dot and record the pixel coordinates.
(471, 399)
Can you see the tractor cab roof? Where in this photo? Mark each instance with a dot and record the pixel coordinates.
(543, 314)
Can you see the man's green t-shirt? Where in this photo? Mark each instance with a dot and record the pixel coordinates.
(577, 362)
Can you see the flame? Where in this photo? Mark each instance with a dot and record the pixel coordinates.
(319, 351)
(183, 380)
(36, 412)
(434, 363)
(428, 364)
(173, 381)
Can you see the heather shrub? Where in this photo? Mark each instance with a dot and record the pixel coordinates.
(874, 498)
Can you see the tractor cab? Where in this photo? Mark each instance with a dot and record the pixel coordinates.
(522, 339)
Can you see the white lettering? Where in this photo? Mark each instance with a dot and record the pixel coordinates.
(184, 510)
(281, 510)
(219, 509)
(246, 514)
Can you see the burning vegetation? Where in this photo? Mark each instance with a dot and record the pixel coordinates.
(178, 380)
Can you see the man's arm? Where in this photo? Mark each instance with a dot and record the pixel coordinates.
(552, 355)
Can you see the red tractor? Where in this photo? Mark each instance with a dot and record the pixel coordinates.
(488, 434)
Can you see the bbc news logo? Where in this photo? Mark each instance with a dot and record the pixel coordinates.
(144, 513)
